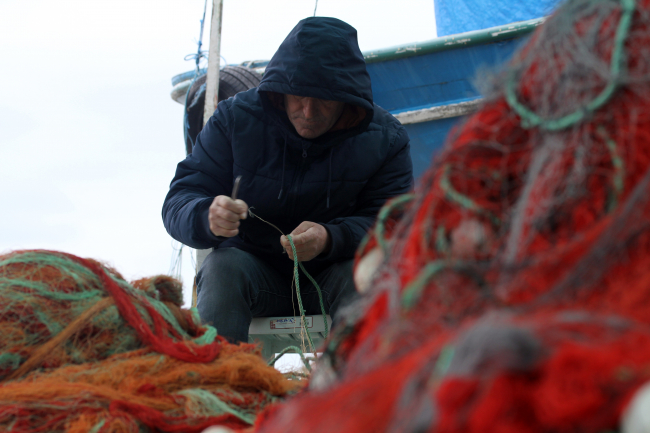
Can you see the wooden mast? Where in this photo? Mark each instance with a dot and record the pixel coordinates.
(214, 59)
(211, 94)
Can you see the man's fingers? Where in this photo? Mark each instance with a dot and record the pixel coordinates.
(297, 240)
(238, 207)
(301, 238)
(225, 208)
(225, 214)
(243, 208)
(221, 228)
(301, 255)
(300, 249)
(309, 240)
(302, 228)
(226, 203)
(225, 224)
(225, 233)
(217, 221)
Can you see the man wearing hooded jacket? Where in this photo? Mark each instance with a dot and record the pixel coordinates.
(316, 158)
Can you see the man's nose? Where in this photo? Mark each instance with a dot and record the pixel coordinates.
(309, 108)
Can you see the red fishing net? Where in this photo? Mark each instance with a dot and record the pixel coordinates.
(514, 295)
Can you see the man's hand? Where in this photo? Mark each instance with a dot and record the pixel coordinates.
(225, 214)
(310, 239)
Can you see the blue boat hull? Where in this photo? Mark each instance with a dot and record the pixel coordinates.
(414, 78)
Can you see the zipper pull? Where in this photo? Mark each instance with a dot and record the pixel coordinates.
(304, 153)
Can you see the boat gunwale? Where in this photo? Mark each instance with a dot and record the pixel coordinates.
(460, 40)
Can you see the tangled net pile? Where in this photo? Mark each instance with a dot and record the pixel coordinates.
(515, 290)
(84, 351)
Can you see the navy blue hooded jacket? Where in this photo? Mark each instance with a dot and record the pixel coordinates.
(339, 180)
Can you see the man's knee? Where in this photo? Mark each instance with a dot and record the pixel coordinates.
(344, 268)
(224, 270)
(224, 259)
(340, 279)
(339, 286)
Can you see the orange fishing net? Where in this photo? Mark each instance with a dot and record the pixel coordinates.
(85, 351)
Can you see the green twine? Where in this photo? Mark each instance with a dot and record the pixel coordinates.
(442, 245)
(45, 291)
(81, 276)
(208, 404)
(296, 278)
(303, 319)
(97, 427)
(10, 361)
(169, 316)
(444, 360)
(320, 297)
(89, 289)
(44, 318)
(530, 119)
(463, 200)
(413, 291)
(208, 336)
(619, 169)
(295, 350)
(382, 218)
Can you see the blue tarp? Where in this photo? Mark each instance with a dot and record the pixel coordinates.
(458, 16)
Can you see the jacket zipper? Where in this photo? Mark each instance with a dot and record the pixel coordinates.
(296, 185)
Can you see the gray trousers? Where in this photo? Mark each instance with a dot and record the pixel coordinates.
(234, 286)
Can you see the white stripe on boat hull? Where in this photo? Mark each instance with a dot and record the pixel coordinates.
(440, 112)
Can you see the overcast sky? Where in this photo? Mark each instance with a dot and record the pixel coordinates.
(89, 135)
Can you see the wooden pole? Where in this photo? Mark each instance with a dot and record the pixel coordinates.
(214, 59)
(211, 94)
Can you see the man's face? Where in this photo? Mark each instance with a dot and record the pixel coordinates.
(312, 117)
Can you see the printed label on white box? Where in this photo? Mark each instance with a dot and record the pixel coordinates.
(290, 322)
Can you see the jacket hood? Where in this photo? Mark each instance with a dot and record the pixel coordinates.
(321, 58)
